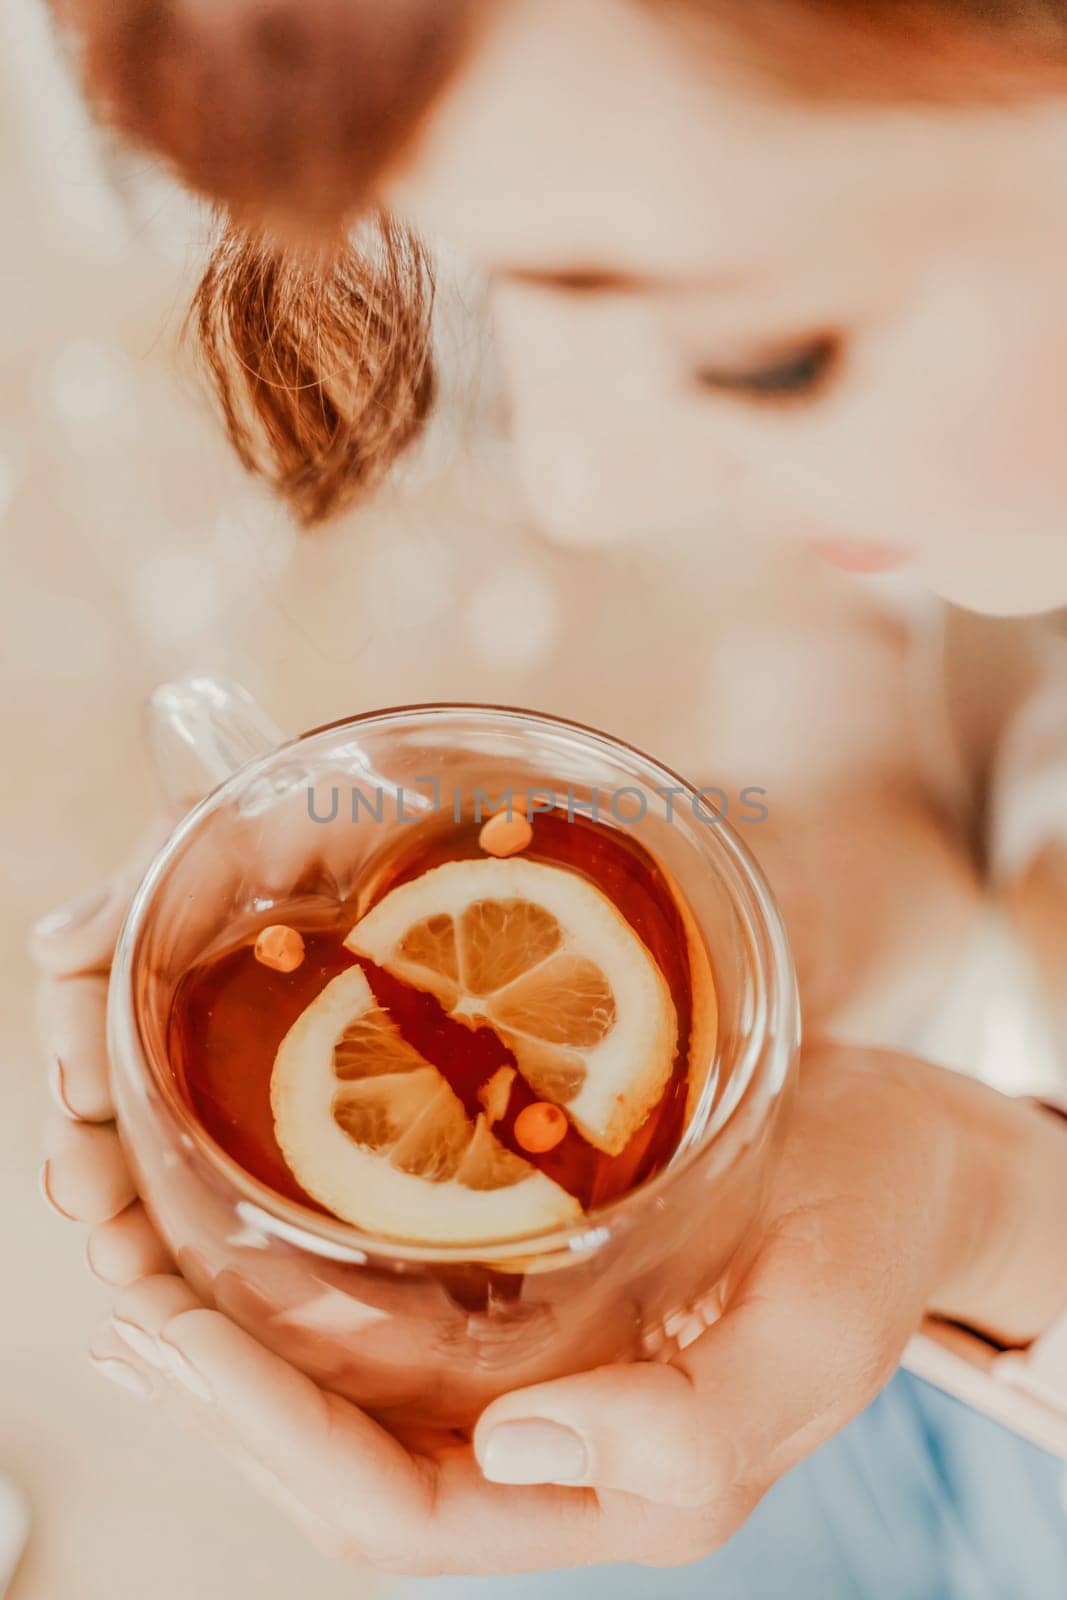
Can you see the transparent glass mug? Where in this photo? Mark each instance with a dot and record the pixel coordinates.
(429, 1334)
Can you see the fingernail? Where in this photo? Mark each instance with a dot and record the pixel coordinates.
(122, 1373)
(71, 917)
(180, 1367)
(534, 1451)
(45, 1186)
(57, 1085)
(140, 1342)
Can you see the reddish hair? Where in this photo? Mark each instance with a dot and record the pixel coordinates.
(891, 50)
(289, 113)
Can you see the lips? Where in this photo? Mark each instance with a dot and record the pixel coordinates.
(852, 555)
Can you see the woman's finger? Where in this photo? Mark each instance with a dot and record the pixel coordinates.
(126, 1249)
(81, 935)
(130, 1338)
(114, 1358)
(72, 1023)
(800, 1350)
(336, 1461)
(85, 1177)
(399, 1511)
(633, 1428)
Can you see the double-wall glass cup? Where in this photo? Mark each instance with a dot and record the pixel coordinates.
(428, 1334)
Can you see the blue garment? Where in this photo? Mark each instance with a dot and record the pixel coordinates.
(919, 1498)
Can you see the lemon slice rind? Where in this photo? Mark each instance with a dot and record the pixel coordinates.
(626, 1071)
(360, 1184)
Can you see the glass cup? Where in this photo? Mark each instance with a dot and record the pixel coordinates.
(417, 1334)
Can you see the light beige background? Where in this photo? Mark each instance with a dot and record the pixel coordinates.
(132, 549)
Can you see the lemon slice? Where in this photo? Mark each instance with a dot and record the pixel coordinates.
(545, 958)
(373, 1131)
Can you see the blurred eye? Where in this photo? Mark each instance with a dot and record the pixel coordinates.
(797, 373)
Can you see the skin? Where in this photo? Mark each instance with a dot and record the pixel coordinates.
(902, 1188)
(724, 225)
(1039, 899)
(739, 224)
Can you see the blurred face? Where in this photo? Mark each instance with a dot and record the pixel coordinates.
(722, 308)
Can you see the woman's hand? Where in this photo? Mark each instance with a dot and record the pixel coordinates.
(902, 1188)
(85, 1177)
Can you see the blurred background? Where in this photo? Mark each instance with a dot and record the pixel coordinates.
(132, 549)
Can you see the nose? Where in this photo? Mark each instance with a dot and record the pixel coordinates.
(578, 392)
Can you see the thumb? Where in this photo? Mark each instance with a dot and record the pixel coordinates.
(635, 1428)
(788, 1364)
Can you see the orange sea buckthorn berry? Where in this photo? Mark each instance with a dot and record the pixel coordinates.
(279, 947)
(540, 1127)
(505, 835)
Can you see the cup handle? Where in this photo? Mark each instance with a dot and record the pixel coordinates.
(201, 729)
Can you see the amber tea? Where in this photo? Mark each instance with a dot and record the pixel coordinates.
(437, 1106)
(493, 1035)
